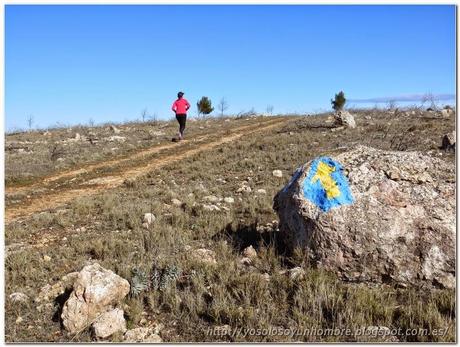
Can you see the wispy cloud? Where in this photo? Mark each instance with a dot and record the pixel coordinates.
(410, 97)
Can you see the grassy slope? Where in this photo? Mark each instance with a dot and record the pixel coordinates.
(227, 293)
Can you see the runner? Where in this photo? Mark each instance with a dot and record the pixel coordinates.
(180, 107)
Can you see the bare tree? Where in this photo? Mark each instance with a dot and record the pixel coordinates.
(391, 105)
(91, 122)
(270, 109)
(30, 121)
(429, 97)
(144, 114)
(222, 106)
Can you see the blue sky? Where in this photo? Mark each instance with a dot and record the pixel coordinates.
(69, 64)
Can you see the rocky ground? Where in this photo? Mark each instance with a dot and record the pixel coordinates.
(191, 228)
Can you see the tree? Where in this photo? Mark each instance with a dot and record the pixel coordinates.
(204, 106)
(429, 97)
(222, 106)
(144, 114)
(30, 121)
(270, 109)
(339, 101)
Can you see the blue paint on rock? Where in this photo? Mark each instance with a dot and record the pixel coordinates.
(315, 192)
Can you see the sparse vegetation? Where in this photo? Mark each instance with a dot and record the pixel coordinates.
(195, 297)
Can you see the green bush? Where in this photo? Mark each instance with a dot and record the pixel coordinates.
(204, 106)
(339, 101)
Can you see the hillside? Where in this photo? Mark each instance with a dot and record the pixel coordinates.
(78, 195)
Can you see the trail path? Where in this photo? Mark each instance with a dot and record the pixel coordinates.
(48, 196)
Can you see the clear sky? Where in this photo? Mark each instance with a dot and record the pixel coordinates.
(73, 63)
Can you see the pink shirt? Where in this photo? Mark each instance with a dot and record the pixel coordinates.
(180, 106)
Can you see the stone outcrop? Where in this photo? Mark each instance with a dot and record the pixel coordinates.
(399, 227)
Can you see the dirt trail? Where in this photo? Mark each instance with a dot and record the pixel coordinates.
(50, 199)
(86, 168)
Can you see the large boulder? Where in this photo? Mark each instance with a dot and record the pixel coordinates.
(94, 292)
(374, 216)
(344, 118)
(448, 141)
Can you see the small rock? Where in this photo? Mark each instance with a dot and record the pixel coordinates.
(211, 198)
(261, 191)
(149, 218)
(204, 255)
(19, 320)
(250, 252)
(47, 258)
(117, 139)
(277, 173)
(211, 207)
(446, 113)
(109, 323)
(229, 200)
(296, 273)
(115, 129)
(142, 334)
(244, 189)
(18, 297)
(176, 202)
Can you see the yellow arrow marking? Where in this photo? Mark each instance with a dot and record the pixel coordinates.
(323, 174)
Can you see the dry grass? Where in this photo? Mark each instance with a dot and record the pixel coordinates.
(208, 296)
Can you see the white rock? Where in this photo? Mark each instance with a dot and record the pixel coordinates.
(18, 297)
(277, 173)
(149, 218)
(244, 189)
(115, 129)
(117, 139)
(94, 291)
(296, 273)
(109, 323)
(229, 200)
(261, 191)
(176, 202)
(250, 252)
(210, 207)
(142, 334)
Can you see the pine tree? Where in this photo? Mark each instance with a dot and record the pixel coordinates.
(339, 101)
(204, 106)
